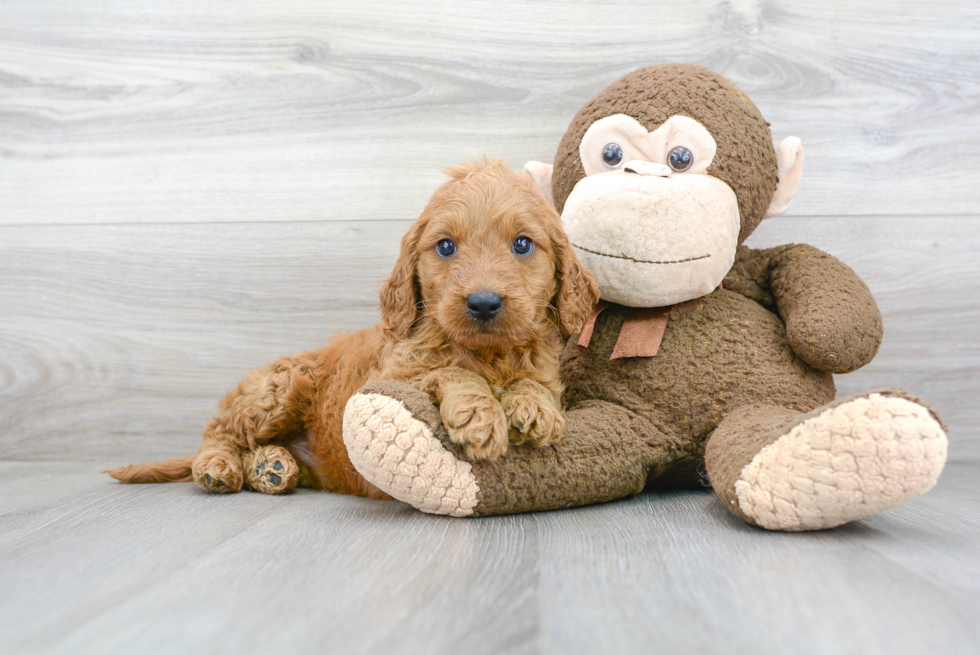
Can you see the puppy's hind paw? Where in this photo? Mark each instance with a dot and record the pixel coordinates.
(270, 470)
(217, 472)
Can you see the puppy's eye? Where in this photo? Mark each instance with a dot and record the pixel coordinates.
(446, 248)
(680, 159)
(523, 246)
(612, 154)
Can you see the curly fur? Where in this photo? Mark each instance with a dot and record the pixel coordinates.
(496, 382)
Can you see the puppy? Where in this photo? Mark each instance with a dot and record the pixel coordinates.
(474, 313)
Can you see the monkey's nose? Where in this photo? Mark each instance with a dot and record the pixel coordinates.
(641, 167)
(484, 305)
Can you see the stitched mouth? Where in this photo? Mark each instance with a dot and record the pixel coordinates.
(641, 261)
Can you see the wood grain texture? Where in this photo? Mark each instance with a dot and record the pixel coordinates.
(117, 341)
(91, 566)
(184, 111)
(272, 155)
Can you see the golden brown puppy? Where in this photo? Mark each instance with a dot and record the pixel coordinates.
(474, 312)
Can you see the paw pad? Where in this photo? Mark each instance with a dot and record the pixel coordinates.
(271, 470)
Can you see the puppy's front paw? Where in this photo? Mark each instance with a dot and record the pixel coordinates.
(534, 418)
(477, 423)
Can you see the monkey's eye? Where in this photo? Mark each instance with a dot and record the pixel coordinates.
(523, 246)
(446, 248)
(612, 154)
(680, 159)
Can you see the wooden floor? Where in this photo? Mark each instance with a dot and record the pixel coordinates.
(191, 188)
(91, 566)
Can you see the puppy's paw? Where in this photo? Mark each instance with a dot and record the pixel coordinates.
(477, 423)
(271, 470)
(534, 418)
(218, 472)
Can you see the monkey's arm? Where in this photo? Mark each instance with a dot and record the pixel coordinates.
(832, 322)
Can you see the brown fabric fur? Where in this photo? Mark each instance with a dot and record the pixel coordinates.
(282, 426)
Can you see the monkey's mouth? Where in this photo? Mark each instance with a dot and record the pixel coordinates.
(640, 261)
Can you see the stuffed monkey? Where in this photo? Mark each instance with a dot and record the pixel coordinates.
(706, 360)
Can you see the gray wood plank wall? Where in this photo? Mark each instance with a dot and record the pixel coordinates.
(190, 188)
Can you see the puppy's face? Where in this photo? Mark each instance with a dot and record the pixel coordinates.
(491, 262)
(486, 265)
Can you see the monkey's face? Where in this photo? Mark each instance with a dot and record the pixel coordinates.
(648, 220)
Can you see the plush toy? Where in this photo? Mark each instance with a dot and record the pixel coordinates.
(706, 359)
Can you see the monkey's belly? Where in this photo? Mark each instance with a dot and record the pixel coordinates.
(718, 352)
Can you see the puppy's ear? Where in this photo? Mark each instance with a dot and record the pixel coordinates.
(577, 292)
(400, 292)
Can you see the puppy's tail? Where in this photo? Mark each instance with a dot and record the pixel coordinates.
(171, 470)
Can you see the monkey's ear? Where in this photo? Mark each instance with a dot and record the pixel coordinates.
(400, 293)
(541, 175)
(789, 167)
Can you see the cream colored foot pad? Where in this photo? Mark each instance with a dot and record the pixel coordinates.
(850, 462)
(397, 453)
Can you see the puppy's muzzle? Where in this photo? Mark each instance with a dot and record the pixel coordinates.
(483, 305)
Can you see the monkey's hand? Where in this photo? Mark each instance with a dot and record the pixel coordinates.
(832, 322)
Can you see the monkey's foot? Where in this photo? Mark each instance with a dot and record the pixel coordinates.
(850, 461)
(270, 470)
(389, 432)
(218, 471)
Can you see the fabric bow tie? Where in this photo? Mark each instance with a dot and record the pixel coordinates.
(641, 334)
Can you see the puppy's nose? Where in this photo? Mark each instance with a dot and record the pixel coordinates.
(484, 305)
